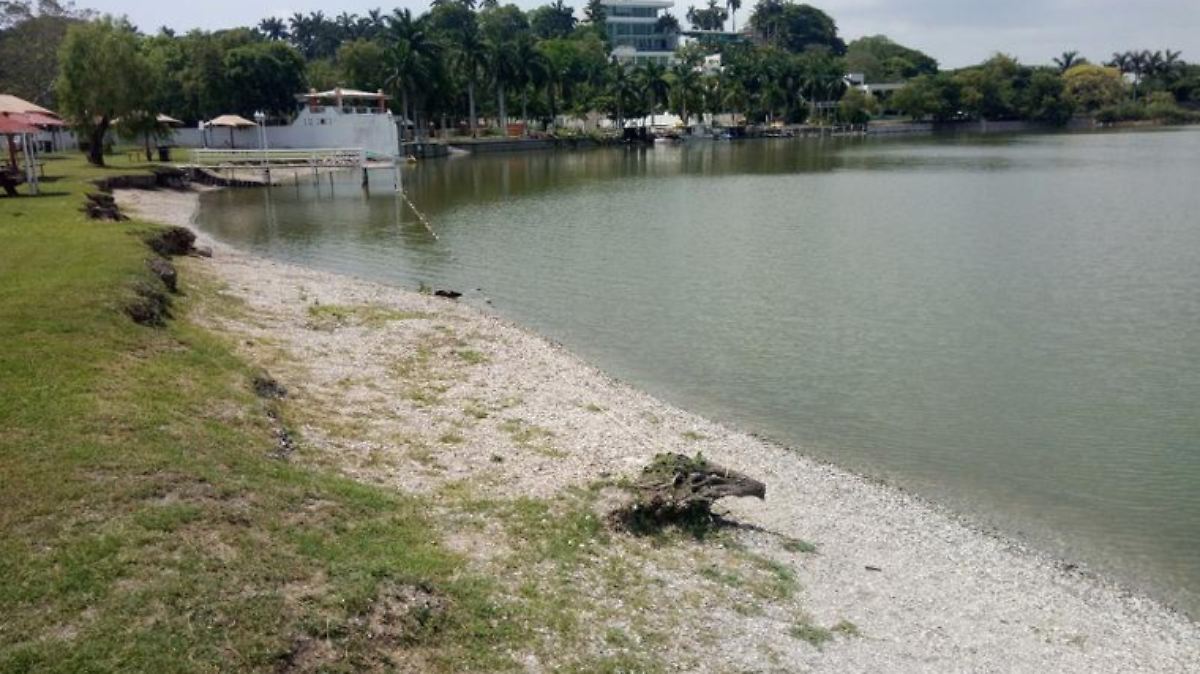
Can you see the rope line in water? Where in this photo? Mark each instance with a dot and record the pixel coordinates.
(420, 216)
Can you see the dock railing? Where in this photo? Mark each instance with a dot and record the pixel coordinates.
(315, 158)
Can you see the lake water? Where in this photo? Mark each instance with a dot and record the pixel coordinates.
(1008, 325)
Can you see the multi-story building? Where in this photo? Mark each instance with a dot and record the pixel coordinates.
(634, 31)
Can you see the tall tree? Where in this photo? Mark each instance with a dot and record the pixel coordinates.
(794, 27)
(652, 80)
(711, 17)
(411, 57)
(100, 79)
(29, 40)
(555, 20)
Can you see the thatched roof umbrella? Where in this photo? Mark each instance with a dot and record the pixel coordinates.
(12, 125)
(233, 122)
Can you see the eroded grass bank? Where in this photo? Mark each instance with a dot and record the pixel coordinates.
(150, 524)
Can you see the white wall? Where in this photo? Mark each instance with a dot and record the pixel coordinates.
(374, 133)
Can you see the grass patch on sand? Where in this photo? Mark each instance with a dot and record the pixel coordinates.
(333, 316)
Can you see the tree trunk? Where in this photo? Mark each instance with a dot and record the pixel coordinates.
(403, 115)
(525, 111)
(471, 105)
(149, 157)
(503, 111)
(96, 149)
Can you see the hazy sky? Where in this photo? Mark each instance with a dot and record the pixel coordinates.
(956, 32)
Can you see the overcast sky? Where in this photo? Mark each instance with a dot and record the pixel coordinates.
(956, 32)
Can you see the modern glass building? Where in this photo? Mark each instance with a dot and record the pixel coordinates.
(633, 30)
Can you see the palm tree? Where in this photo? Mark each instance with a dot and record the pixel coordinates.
(732, 6)
(667, 24)
(471, 60)
(685, 89)
(411, 54)
(505, 71)
(1068, 60)
(621, 87)
(273, 28)
(652, 80)
(532, 72)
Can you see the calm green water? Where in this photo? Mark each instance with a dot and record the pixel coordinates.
(1007, 325)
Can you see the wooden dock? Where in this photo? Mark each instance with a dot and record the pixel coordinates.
(273, 167)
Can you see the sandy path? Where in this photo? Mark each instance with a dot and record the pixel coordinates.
(466, 387)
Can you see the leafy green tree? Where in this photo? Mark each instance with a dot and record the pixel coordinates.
(29, 40)
(794, 27)
(1042, 98)
(322, 74)
(101, 73)
(937, 96)
(363, 64)
(882, 60)
(552, 21)
(988, 90)
(1091, 87)
(857, 106)
(266, 76)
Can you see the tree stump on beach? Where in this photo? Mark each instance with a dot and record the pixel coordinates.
(680, 490)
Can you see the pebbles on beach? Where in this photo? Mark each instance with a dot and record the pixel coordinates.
(416, 392)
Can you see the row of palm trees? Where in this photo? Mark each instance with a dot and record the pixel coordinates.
(1146, 64)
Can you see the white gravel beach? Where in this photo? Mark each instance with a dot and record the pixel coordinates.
(426, 395)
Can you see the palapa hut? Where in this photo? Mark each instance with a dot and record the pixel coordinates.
(231, 121)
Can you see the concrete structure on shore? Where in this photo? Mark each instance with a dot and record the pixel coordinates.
(634, 33)
(338, 118)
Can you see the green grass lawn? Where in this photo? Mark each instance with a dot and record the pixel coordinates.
(144, 525)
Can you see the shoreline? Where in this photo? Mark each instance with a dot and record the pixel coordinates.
(948, 594)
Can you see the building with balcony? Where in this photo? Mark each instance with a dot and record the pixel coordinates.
(634, 33)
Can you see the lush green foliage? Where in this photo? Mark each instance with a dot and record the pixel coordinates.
(101, 78)
(1091, 87)
(795, 27)
(882, 60)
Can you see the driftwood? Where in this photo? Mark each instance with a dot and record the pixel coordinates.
(677, 489)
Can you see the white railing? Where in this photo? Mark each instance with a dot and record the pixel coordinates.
(317, 157)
